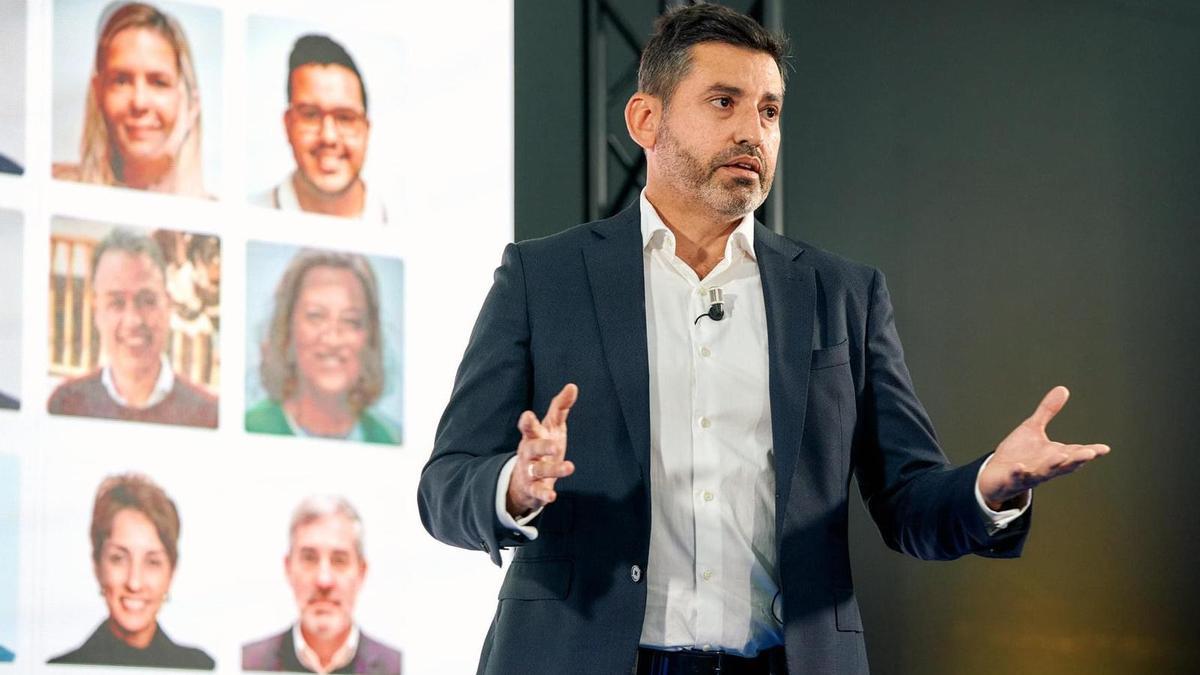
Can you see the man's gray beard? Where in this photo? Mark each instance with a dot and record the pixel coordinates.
(732, 200)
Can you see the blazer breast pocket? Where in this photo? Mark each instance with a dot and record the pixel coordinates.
(828, 357)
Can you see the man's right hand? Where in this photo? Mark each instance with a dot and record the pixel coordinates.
(541, 455)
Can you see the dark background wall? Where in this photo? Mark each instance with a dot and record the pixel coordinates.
(1027, 174)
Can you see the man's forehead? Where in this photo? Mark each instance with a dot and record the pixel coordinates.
(123, 267)
(330, 531)
(721, 65)
(322, 80)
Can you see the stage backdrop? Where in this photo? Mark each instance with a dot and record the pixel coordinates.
(264, 303)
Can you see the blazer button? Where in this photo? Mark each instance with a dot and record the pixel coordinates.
(635, 573)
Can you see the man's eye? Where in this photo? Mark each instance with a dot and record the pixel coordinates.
(771, 113)
(723, 102)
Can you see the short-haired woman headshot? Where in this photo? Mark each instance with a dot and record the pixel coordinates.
(141, 126)
(322, 359)
(135, 549)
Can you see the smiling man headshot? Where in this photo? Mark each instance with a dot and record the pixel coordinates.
(131, 311)
(328, 128)
(325, 567)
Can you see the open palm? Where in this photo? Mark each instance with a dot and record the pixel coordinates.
(1027, 457)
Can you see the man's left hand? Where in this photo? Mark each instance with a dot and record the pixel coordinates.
(1027, 457)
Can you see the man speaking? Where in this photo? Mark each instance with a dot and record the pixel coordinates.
(728, 380)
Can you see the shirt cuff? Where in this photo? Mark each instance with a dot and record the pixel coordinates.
(997, 520)
(518, 525)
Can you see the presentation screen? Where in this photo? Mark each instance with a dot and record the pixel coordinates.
(242, 247)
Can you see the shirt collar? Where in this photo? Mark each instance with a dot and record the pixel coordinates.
(286, 200)
(655, 232)
(162, 386)
(308, 658)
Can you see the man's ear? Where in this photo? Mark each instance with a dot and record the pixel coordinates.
(643, 113)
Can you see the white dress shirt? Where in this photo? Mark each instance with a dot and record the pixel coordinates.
(308, 658)
(711, 580)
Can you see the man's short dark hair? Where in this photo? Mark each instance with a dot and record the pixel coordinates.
(668, 55)
(322, 51)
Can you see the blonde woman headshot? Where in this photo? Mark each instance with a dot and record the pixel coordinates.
(135, 550)
(322, 359)
(141, 126)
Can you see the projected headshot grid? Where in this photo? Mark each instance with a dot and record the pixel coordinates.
(324, 336)
(134, 323)
(206, 249)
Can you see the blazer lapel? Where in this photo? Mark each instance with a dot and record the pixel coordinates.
(789, 293)
(614, 266)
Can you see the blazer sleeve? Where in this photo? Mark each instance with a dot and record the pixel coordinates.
(923, 506)
(478, 431)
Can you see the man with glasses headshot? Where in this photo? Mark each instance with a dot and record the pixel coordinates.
(328, 128)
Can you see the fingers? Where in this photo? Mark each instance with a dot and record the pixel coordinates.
(540, 453)
(529, 426)
(549, 469)
(560, 405)
(1051, 404)
(1074, 456)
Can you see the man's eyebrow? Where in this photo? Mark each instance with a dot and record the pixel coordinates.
(727, 89)
(731, 90)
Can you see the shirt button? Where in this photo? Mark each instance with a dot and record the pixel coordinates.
(707, 575)
(705, 351)
(635, 573)
(708, 496)
(705, 423)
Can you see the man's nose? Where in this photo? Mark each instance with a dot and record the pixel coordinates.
(329, 131)
(132, 315)
(751, 128)
(324, 575)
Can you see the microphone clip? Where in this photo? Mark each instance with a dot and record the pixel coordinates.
(716, 306)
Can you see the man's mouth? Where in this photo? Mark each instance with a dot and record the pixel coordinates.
(745, 163)
(324, 604)
(330, 162)
(135, 341)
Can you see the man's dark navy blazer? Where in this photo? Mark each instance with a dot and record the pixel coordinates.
(571, 308)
